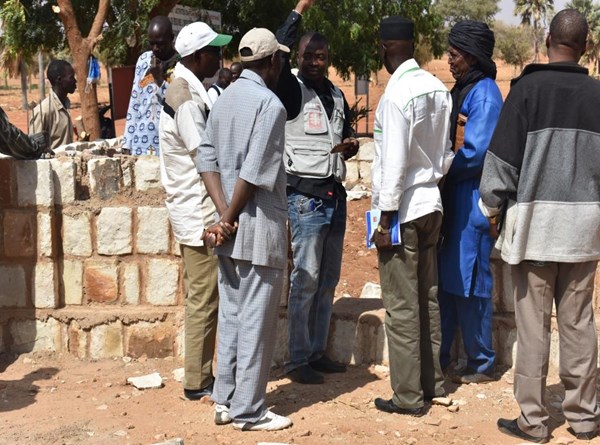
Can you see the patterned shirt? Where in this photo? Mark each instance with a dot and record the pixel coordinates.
(143, 114)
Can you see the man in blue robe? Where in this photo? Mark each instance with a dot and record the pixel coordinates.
(465, 279)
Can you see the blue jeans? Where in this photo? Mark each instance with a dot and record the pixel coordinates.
(317, 227)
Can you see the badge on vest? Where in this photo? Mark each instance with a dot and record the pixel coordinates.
(314, 119)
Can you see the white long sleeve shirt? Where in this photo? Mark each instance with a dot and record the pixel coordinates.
(412, 143)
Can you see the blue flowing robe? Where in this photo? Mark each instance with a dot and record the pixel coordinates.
(464, 256)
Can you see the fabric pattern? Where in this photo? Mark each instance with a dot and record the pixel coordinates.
(143, 113)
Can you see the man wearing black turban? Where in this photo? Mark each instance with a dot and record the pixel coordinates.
(465, 278)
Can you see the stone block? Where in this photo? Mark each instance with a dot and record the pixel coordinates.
(113, 231)
(152, 230)
(44, 285)
(506, 345)
(72, 281)
(64, 172)
(162, 282)
(106, 341)
(364, 171)
(366, 152)
(7, 182)
(155, 340)
(175, 247)
(35, 335)
(147, 173)
(281, 354)
(44, 234)
(130, 274)
(20, 232)
(34, 183)
(104, 174)
(13, 288)
(100, 280)
(371, 290)
(77, 237)
(352, 176)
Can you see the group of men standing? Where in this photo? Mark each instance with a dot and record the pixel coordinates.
(530, 165)
(449, 165)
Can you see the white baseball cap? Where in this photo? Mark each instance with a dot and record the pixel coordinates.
(262, 43)
(196, 36)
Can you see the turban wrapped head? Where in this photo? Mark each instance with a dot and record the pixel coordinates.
(477, 39)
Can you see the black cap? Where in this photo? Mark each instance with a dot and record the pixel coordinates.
(397, 28)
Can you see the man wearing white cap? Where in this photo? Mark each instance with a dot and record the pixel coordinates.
(181, 130)
(241, 165)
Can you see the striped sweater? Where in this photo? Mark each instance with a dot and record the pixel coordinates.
(543, 164)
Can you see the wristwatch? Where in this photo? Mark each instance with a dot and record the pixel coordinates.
(382, 230)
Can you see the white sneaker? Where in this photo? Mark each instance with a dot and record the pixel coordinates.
(222, 414)
(269, 422)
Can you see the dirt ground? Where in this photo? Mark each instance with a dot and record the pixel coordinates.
(58, 400)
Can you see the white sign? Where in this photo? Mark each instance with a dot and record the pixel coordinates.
(184, 15)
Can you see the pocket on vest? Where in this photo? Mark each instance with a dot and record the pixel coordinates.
(308, 161)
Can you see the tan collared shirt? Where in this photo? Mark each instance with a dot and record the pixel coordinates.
(51, 116)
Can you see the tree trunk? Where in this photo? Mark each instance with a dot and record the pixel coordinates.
(42, 80)
(81, 49)
(23, 71)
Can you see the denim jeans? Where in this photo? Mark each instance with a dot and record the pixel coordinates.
(317, 227)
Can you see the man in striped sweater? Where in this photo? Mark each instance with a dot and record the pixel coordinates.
(543, 168)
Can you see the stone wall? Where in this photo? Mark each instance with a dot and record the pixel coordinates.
(89, 266)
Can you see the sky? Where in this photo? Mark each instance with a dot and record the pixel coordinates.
(507, 7)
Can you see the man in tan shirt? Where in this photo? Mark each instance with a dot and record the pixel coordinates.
(52, 114)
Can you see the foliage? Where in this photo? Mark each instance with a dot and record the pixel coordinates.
(454, 11)
(358, 112)
(536, 14)
(354, 34)
(27, 26)
(513, 44)
(591, 11)
(351, 26)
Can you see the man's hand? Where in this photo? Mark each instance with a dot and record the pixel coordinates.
(304, 5)
(494, 230)
(352, 150)
(218, 233)
(383, 241)
(156, 69)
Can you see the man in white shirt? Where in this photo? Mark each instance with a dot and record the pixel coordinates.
(412, 153)
(181, 131)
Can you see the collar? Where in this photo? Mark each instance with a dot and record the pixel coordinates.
(565, 67)
(327, 84)
(406, 67)
(251, 75)
(56, 102)
(194, 82)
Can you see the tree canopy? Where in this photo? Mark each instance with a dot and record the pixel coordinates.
(591, 11)
(454, 11)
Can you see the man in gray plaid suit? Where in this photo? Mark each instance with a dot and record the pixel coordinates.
(241, 165)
